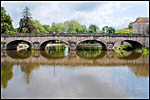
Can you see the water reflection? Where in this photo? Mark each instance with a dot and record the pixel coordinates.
(6, 74)
(80, 74)
(91, 54)
(22, 54)
(27, 69)
(55, 52)
(60, 54)
(127, 55)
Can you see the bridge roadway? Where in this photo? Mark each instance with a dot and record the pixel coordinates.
(107, 59)
(107, 41)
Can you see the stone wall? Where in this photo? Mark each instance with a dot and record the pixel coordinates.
(141, 27)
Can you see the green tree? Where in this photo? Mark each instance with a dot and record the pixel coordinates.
(93, 28)
(26, 22)
(107, 29)
(38, 28)
(72, 26)
(111, 30)
(104, 29)
(84, 29)
(53, 27)
(6, 22)
(47, 28)
(59, 28)
(78, 30)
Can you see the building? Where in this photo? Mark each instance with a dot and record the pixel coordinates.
(141, 25)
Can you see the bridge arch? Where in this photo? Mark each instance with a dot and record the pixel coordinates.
(12, 45)
(44, 43)
(103, 43)
(133, 43)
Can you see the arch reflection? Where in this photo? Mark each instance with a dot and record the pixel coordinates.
(55, 52)
(127, 55)
(91, 54)
(22, 54)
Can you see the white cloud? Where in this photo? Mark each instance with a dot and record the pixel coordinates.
(104, 13)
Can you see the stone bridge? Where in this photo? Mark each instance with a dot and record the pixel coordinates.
(107, 41)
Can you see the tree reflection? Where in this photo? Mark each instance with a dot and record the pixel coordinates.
(140, 70)
(6, 74)
(27, 69)
(55, 52)
(90, 54)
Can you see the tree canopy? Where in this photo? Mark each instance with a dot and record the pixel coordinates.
(93, 28)
(6, 22)
(38, 28)
(72, 26)
(26, 23)
(108, 29)
(47, 28)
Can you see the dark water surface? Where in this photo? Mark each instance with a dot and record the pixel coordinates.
(74, 74)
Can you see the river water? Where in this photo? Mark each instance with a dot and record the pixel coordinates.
(74, 74)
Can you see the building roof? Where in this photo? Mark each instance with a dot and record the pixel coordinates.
(141, 19)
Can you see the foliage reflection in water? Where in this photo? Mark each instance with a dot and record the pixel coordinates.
(56, 51)
(6, 74)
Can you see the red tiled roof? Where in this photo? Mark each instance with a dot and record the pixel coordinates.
(142, 19)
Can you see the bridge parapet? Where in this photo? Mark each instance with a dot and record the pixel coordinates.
(74, 34)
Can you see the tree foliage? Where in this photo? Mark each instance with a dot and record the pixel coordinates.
(111, 30)
(26, 23)
(107, 29)
(6, 22)
(53, 27)
(47, 28)
(84, 29)
(72, 26)
(124, 30)
(93, 28)
(59, 28)
(38, 28)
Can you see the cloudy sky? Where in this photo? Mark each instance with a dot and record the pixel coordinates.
(117, 14)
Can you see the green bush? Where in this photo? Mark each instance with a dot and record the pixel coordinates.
(125, 30)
